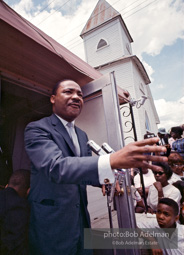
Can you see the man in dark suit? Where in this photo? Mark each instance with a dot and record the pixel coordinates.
(61, 169)
(163, 141)
(14, 214)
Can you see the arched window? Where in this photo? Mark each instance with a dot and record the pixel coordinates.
(101, 44)
(147, 122)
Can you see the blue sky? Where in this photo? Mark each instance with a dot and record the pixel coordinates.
(155, 26)
(169, 71)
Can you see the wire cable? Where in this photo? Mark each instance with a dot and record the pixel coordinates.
(53, 12)
(43, 9)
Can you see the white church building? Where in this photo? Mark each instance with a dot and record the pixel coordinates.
(107, 44)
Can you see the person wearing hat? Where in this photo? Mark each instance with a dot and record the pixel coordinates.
(164, 141)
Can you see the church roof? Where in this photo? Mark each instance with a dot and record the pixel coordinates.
(137, 62)
(32, 56)
(102, 13)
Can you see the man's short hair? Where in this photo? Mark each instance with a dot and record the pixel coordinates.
(167, 170)
(56, 86)
(170, 202)
(20, 178)
(175, 157)
(177, 130)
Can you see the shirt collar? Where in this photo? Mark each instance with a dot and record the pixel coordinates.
(64, 122)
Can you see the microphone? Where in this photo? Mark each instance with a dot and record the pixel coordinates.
(106, 147)
(96, 148)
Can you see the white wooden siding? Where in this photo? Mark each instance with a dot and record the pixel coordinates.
(128, 77)
(110, 32)
(148, 106)
(123, 73)
(127, 74)
(124, 40)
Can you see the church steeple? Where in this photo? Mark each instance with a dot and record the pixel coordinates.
(106, 37)
(102, 13)
(107, 44)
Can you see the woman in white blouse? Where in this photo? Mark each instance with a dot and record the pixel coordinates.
(161, 188)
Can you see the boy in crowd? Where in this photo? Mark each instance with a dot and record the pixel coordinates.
(166, 217)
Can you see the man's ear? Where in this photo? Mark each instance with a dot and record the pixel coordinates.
(177, 218)
(52, 99)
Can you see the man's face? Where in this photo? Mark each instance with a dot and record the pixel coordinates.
(177, 168)
(68, 101)
(161, 135)
(174, 135)
(176, 162)
(165, 216)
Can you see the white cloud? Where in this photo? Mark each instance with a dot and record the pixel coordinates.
(159, 24)
(66, 28)
(155, 26)
(24, 7)
(181, 101)
(160, 86)
(171, 113)
(149, 70)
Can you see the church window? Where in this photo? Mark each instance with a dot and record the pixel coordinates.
(101, 44)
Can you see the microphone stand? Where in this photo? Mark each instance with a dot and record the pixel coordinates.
(143, 189)
(110, 189)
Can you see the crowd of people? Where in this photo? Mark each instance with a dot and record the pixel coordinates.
(165, 186)
(62, 166)
(165, 182)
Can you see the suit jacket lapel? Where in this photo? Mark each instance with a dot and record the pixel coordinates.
(59, 127)
(82, 142)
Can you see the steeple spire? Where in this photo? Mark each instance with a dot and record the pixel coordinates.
(102, 13)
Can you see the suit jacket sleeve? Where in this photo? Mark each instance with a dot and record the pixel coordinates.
(50, 153)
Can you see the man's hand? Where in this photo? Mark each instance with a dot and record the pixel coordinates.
(150, 210)
(140, 191)
(117, 191)
(167, 146)
(158, 186)
(136, 155)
